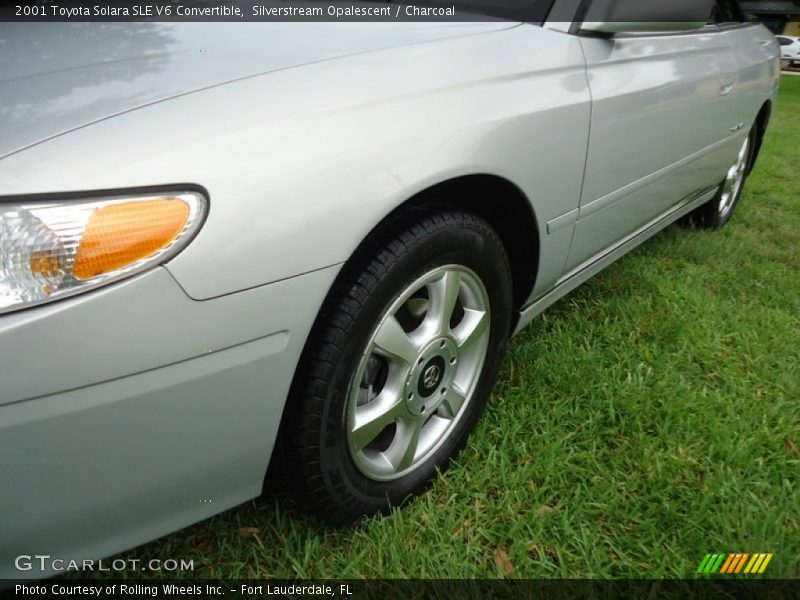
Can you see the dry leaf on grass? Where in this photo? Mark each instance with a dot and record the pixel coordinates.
(249, 531)
(504, 563)
(545, 510)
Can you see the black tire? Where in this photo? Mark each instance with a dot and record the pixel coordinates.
(716, 213)
(312, 449)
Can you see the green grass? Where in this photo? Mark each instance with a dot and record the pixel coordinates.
(650, 417)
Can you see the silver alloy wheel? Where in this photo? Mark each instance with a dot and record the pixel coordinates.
(418, 372)
(734, 180)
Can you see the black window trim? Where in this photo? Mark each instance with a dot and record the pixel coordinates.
(583, 9)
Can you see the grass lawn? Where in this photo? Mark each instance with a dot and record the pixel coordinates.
(650, 417)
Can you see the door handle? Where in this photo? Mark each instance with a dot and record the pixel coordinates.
(726, 84)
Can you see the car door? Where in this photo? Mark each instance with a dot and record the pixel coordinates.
(660, 114)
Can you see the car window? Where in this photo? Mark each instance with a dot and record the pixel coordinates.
(785, 41)
(726, 11)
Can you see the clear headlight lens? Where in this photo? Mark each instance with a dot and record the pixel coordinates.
(49, 250)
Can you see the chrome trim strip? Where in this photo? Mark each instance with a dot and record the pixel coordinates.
(617, 195)
(562, 221)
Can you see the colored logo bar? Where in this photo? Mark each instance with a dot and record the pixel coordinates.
(729, 563)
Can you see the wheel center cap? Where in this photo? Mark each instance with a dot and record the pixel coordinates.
(431, 376)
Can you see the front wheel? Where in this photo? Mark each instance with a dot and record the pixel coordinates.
(399, 365)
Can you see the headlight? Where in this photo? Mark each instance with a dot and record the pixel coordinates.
(53, 249)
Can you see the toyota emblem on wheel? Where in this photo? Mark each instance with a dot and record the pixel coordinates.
(431, 376)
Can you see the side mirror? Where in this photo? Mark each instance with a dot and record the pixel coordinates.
(617, 16)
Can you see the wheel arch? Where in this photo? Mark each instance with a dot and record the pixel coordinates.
(498, 201)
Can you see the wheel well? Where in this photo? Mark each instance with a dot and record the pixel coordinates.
(762, 121)
(504, 206)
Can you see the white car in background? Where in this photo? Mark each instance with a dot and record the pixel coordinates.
(790, 50)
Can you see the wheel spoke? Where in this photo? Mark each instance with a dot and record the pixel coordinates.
(392, 341)
(472, 327)
(453, 402)
(444, 295)
(402, 451)
(373, 418)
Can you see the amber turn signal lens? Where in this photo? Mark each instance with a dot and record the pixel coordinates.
(121, 234)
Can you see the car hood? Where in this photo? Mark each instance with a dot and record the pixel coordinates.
(56, 77)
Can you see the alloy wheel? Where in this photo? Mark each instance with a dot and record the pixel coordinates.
(418, 372)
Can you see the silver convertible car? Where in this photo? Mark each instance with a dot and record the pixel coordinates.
(225, 245)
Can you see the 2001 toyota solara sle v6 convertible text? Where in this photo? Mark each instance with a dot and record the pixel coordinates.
(225, 245)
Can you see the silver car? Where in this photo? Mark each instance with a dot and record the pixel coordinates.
(224, 245)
